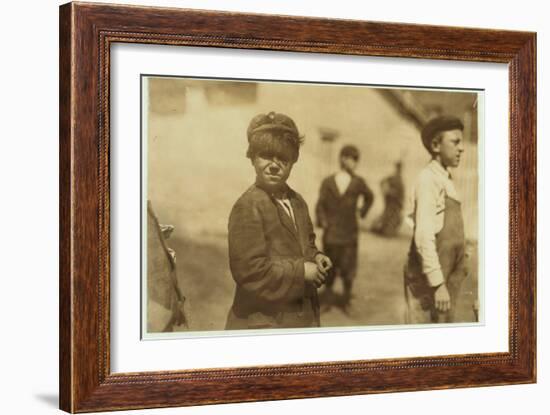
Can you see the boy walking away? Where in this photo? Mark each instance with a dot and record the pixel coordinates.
(337, 214)
(436, 267)
(272, 252)
(393, 190)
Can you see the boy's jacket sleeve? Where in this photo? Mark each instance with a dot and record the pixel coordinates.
(368, 198)
(265, 276)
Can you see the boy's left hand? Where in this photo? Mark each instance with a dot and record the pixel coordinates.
(324, 264)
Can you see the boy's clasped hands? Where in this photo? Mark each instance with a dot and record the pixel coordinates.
(316, 272)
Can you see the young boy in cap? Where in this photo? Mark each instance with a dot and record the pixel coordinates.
(436, 267)
(272, 252)
(337, 215)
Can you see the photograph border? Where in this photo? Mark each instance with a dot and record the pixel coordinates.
(189, 334)
(86, 33)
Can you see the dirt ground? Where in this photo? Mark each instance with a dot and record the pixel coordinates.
(203, 272)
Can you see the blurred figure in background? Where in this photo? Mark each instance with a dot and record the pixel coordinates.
(336, 212)
(389, 222)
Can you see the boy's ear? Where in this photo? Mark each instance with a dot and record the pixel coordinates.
(436, 145)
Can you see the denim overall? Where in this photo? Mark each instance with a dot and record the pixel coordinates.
(419, 295)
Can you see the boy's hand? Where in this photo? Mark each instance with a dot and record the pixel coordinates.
(313, 275)
(442, 298)
(324, 264)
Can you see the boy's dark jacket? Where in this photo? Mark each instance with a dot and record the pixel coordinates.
(336, 213)
(266, 256)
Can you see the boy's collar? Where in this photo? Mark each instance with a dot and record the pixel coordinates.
(343, 170)
(437, 167)
(285, 192)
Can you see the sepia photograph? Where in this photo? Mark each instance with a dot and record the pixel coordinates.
(259, 205)
(275, 206)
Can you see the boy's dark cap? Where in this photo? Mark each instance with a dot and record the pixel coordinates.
(437, 125)
(274, 122)
(350, 151)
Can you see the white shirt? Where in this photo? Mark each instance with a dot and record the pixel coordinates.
(342, 179)
(287, 207)
(433, 185)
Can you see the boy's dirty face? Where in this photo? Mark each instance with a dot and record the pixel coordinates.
(449, 148)
(349, 163)
(272, 170)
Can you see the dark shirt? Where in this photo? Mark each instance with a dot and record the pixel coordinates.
(337, 214)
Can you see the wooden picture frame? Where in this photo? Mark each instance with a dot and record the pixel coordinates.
(87, 32)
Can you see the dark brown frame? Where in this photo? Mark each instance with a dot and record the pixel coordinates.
(86, 33)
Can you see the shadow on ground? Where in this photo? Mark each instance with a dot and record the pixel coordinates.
(49, 399)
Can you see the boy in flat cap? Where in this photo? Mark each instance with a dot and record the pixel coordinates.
(272, 252)
(436, 268)
(337, 214)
